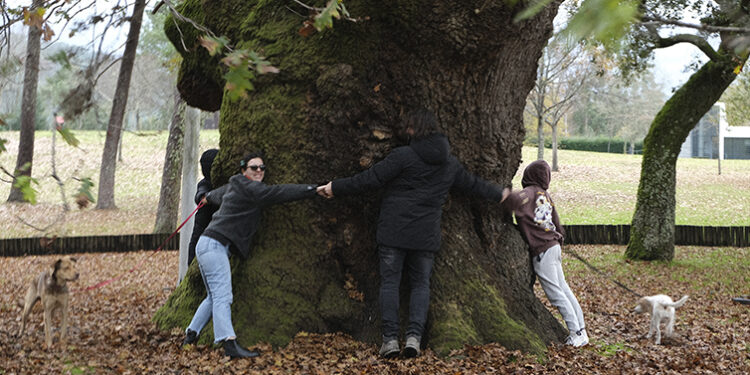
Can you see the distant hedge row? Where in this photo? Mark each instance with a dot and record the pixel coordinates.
(598, 144)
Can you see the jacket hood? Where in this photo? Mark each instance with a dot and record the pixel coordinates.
(433, 149)
(207, 159)
(537, 173)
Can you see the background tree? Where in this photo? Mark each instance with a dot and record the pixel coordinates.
(637, 104)
(736, 99)
(155, 44)
(332, 111)
(106, 194)
(169, 193)
(24, 160)
(652, 228)
(562, 73)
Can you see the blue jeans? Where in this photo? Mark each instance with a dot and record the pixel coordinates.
(419, 265)
(213, 261)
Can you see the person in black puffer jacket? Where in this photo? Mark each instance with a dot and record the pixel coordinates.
(416, 180)
(203, 216)
(229, 232)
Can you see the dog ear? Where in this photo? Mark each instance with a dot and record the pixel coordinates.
(56, 267)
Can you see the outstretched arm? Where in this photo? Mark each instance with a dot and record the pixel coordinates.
(377, 176)
(473, 184)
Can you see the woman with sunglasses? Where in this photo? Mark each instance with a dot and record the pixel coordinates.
(230, 232)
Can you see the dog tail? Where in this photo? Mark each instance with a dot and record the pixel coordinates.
(680, 302)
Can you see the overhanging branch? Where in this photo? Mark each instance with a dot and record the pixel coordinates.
(698, 26)
(695, 40)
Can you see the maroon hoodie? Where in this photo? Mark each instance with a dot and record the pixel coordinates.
(535, 213)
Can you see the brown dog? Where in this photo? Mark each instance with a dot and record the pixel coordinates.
(51, 289)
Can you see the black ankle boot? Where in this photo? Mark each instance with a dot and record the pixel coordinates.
(190, 337)
(234, 350)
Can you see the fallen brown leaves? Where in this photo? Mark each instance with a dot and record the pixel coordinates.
(111, 332)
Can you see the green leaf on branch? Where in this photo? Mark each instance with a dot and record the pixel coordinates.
(214, 45)
(241, 65)
(334, 9)
(84, 195)
(68, 136)
(607, 21)
(238, 82)
(23, 183)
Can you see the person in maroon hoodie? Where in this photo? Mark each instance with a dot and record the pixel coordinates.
(540, 226)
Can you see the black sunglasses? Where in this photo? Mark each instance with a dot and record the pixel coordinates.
(262, 167)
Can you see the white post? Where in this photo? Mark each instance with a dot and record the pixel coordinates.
(189, 181)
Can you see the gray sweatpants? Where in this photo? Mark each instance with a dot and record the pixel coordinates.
(548, 268)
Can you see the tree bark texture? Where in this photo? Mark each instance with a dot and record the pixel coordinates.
(169, 196)
(333, 111)
(28, 108)
(106, 198)
(652, 229)
(554, 147)
(540, 137)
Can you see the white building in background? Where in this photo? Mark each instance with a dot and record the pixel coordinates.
(713, 138)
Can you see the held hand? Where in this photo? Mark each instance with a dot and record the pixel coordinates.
(325, 191)
(204, 200)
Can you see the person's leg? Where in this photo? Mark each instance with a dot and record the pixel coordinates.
(203, 313)
(214, 265)
(548, 268)
(419, 266)
(572, 299)
(391, 264)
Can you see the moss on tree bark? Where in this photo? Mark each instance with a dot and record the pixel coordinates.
(333, 111)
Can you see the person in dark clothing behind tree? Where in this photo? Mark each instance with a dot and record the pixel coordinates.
(203, 216)
(416, 180)
(230, 231)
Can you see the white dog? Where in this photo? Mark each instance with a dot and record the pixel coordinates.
(661, 307)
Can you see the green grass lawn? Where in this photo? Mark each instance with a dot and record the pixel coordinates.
(589, 188)
(601, 188)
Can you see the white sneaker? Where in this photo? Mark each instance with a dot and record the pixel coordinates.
(585, 336)
(577, 339)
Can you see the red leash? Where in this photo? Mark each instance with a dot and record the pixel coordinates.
(105, 282)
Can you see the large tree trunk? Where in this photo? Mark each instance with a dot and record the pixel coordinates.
(24, 161)
(652, 229)
(169, 196)
(114, 128)
(332, 112)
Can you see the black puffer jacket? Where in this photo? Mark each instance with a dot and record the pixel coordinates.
(240, 204)
(203, 216)
(417, 179)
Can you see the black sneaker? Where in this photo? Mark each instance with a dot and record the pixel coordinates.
(190, 337)
(233, 350)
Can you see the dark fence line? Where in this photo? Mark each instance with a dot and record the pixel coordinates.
(13, 247)
(684, 235)
(575, 234)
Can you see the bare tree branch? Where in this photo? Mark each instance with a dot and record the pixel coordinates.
(698, 26)
(695, 40)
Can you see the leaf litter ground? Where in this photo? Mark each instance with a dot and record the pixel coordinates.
(111, 331)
